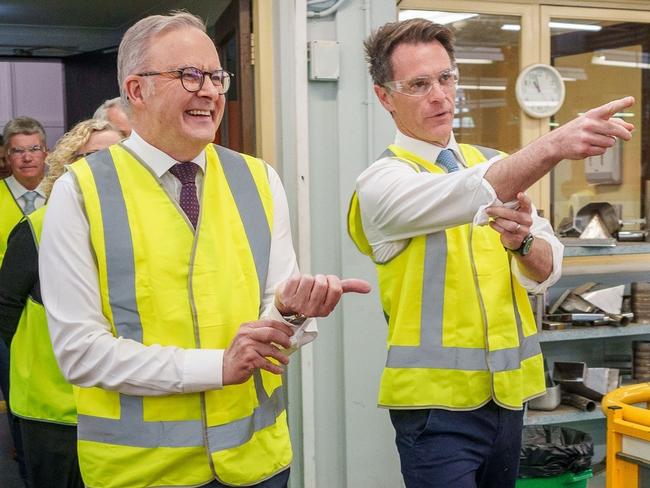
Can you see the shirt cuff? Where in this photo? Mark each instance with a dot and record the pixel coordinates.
(481, 217)
(533, 286)
(302, 334)
(203, 370)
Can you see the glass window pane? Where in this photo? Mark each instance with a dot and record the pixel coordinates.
(487, 55)
(601, 61)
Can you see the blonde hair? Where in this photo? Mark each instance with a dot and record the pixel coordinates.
(66, 149)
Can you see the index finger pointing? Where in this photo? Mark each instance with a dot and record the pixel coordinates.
(355, 285)
(608, 110)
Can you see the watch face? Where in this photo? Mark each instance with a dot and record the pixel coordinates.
(528, 243)
(540, 90)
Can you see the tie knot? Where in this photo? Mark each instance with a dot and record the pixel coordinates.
(447, 160)
(185, 172)
(30, 196)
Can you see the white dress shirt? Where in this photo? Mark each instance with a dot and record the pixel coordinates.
(18, 190)
(87, 352)
(399, 203)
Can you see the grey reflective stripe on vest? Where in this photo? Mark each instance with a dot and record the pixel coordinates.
(431, 353)
(240, 431)
(251, 209)
(120, 263)
(131, 429)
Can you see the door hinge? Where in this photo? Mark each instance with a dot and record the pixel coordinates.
(252, 57)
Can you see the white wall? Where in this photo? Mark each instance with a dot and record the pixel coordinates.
(349, 442)
(35, 89)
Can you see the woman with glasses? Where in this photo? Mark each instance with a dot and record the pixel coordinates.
(40, 397)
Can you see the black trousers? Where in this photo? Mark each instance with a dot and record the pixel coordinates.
(459, 449)
(14, 428)
(278, 481)
(50, 454)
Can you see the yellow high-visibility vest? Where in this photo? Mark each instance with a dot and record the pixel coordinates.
(38, 389)
(163, 283)
(461, 330)
(10, 215)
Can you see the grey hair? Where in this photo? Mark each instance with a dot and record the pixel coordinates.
(134, 48)
(22, 125)
(102, 111)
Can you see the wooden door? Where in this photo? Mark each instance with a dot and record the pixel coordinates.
(233, 32)
(90, 79)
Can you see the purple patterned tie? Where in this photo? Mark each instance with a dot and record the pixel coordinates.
(186, 174)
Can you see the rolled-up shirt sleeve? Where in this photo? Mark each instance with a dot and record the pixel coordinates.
(542, 229)
(398, 202)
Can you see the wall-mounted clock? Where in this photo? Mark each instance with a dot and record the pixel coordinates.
(540, 90)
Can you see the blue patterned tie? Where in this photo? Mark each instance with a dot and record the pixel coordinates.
(28, 198)
(447, 160)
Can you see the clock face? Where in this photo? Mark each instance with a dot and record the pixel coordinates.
(540, 90)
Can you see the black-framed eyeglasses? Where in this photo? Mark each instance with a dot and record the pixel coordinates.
(21, 151)
(192, 78)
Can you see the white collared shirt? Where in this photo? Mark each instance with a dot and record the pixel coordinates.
(18, 190)
(160, 163)
(86, 350)
(398, 203)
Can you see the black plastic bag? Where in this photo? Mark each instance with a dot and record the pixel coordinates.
(548, 450)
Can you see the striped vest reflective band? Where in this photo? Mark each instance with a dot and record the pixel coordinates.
(38, 389)
(164, 284)
(10, 215)
(460, 327)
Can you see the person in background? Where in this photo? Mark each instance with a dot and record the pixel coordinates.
(463, 354)
(84, 139)
(4, 352)
(40, 398)
(113, 111)
(5, 170)
(25, 149)
(171, 285)
(20, 194)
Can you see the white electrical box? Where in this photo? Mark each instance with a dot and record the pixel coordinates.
(606, 168)
(324, 61)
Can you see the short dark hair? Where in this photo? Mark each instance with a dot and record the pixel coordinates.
(380, 44)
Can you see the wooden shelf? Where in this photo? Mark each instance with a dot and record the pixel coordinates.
(562, 414)
(593, 332)
(589, 264)
(621, 248)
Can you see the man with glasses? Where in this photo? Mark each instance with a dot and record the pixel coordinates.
(24, 150)
(171, 286)
(463, 355)
(5, 170)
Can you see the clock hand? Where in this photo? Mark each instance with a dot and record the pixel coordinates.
(537, 86)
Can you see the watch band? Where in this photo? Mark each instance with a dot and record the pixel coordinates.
(295, 318)
(525, 246)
